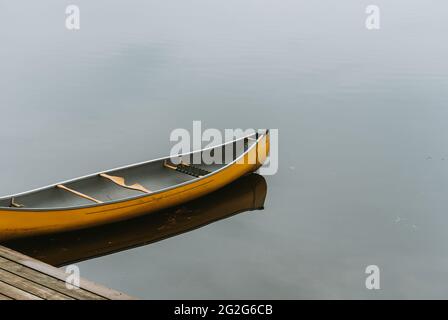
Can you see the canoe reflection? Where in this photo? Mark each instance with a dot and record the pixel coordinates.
(246, 194)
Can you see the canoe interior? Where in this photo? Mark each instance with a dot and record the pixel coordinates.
(152, 175)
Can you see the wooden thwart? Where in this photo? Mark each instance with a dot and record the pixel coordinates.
(121, 182)
(79, 194)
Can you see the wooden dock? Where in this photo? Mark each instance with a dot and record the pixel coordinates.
(24, 278)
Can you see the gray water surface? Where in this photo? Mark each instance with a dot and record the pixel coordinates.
(362, 117)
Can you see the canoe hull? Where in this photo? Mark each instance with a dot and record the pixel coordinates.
(24, 223)
(246, 194)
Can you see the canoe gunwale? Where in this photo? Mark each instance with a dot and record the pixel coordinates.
(36, 210)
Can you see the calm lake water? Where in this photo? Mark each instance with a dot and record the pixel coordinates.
(362, 119)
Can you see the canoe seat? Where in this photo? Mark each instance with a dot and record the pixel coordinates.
(121, 182)
(187, 169)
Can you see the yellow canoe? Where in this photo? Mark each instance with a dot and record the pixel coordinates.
(128, 192)
(246, 194)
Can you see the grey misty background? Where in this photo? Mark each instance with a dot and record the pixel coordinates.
(361, 114)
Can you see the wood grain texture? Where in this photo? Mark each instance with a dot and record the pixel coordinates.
(3, 297)
(20, 273)
(16, 293)
(38, 277)
(32, 287)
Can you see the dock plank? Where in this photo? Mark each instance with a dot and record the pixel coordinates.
(48, 281)
(16, 293)
(32, 287)
(2, 297)
(22, 274)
